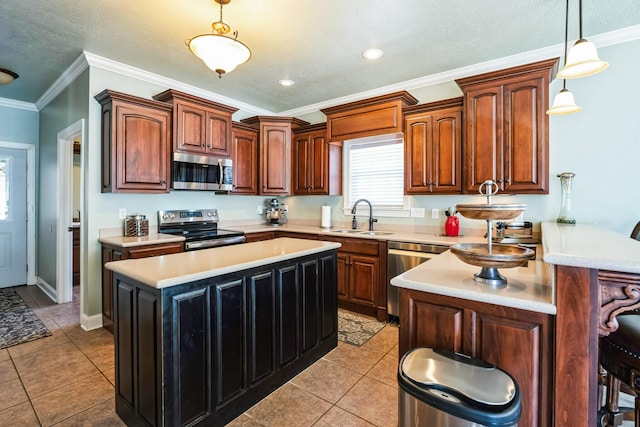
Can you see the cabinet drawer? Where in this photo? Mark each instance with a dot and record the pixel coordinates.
(358, 246)
(154, 250)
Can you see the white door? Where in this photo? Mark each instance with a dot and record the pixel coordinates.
(13, 217)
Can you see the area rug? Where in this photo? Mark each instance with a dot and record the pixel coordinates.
(18, 323)
(356, 330)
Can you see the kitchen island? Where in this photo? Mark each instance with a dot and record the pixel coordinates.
(544, 330)
(201, 336)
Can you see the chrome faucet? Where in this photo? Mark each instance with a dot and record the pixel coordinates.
(371, 218)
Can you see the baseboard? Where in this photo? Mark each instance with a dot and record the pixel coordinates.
(89, 323)
(47, 289)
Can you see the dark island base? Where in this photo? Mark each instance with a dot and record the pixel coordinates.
(203, 352)
(226, 415)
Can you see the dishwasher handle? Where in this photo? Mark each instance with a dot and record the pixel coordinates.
(413, 254)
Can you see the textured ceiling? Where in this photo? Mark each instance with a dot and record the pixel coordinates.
(318, 44)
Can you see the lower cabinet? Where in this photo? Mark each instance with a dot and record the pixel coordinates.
(117, 253)
(361, 272)
(518, 341)
(204, 352)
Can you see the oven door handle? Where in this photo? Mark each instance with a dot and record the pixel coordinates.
(220, 175)
(212, 243)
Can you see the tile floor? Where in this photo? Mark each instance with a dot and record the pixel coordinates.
(67, 380)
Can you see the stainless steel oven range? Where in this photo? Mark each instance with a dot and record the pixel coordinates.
(199, 227)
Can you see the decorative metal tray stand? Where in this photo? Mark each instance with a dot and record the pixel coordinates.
(489, 256)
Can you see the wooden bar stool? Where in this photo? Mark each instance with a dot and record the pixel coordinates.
(619, 356)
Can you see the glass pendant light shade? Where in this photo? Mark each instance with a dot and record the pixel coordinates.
(582, 60)
(220, 53)
(563, 103)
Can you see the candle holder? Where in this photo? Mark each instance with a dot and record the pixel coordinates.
(566, 182)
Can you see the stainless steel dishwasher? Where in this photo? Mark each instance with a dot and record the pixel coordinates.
(403, 256)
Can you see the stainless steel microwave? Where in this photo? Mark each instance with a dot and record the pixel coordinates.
(193, 172)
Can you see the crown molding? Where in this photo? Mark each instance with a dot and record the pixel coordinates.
(605, 39)
(137, 73)
(12, 103)
(70, 74)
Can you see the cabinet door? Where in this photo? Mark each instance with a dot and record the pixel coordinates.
(319, 163)
(108, 255)
(262, 331)
(418, 154)
(429, 324)
(526, 158)
(245, 161)
(327, 270)
(521, 346)
(301, 168)
(288, 300)
(446, 155)
(275, 159)
(310, 289)
(483, 146)
(142, 149)
(343, 276)
(191, 128)
(218, 137)
(363, 279)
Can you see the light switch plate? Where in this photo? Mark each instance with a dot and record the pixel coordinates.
(122, 213)
(417, 212)
(435, 213)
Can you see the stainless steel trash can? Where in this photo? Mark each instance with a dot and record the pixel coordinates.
(440, 388)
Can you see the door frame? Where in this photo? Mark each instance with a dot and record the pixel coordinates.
(31, 225)
(64, 239)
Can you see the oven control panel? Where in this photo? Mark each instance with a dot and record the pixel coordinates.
(187, 216)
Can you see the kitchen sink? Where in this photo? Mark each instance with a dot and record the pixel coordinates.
(346, 231)
(377, 233)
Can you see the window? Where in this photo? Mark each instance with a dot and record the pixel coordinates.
(374, 170)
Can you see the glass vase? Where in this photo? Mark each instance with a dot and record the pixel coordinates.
(566, 181)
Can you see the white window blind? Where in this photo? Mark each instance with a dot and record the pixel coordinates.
(375, 171)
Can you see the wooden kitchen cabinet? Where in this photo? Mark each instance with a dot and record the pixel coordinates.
(244, 154)
(317, 165)
(200, 126)
(274, 153)
(516, 340)
(432, 134)
(506, 132)
(117, 253)
(361, 272)
(136, 147)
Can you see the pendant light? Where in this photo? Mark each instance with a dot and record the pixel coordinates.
(563, 103)
(583, 59)
(219, 52)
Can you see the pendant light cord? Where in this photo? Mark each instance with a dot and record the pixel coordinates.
(566, 39)
(580, 12)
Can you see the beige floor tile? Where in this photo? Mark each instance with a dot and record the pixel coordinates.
(386, 371)
(19, 415)
(383, 340)
(395, 351)
(359, 359)
(101, 415)
(103, 357)
(110, 374)
(12, 393)
(289, 406)
(4, 355)
(7, 371)
(67, 372)
(72, 399)
(48, 358)
(373, 401)
(244, 421)
(339, 417)
(46, 343)
(326, 380)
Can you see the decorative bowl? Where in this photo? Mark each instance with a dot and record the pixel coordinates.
(501, 256)
(491, 211)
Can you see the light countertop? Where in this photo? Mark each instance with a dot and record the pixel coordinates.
(151, 239)
(589, 246)
(528, 288)
(175, 269)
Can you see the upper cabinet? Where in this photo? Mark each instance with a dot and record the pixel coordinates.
(200, 126)
(274, 152)
(244, 155)
(374, 116)
(432, 135)
(136, 144)
(506, 135)
(316, 164)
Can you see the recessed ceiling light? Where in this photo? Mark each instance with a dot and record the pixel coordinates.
(372, 53)
(286, 82)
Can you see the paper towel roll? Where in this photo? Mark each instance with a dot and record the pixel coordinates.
(326, 216)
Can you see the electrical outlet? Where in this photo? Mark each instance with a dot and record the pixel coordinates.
(417, 212)
(122, 213)
(435, 213)
(260, 210)
(285, 208)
